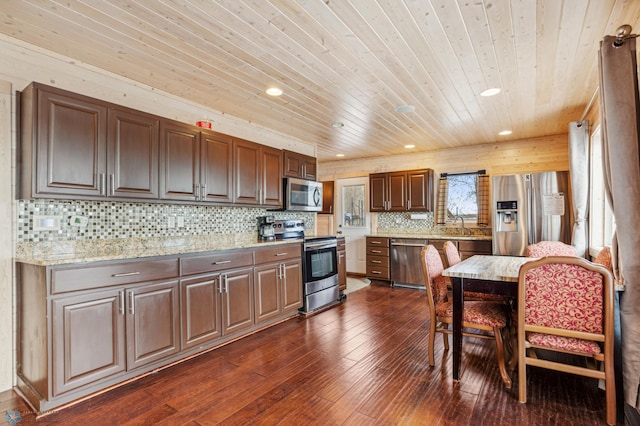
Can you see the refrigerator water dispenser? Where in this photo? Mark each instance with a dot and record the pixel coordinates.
(507, 216)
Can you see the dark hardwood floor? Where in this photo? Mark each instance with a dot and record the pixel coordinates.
(362, 362)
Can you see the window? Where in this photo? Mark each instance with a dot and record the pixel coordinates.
(601, 220)
(465, 195)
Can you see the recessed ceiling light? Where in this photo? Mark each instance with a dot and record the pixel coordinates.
(491, 92)
(409, 146)
(339, 155)
(505, 132)
(403, 109)
(274, 91)
(337, 124)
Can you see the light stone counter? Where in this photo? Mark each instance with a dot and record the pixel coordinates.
(493, 268)
(419, 234)
(83, 251)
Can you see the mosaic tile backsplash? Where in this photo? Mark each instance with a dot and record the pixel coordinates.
(402, 223)
(139, 220)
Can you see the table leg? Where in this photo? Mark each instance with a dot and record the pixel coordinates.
(458, 306)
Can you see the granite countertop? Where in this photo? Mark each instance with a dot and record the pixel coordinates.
(84, 251)
(427, 235)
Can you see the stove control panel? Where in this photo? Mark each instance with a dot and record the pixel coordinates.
(290, 228)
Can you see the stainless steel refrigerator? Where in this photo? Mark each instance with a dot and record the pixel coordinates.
(529, 208)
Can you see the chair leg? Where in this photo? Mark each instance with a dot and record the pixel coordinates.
(610, 388)
(445, 338)
(500, 353)
(432, 340)
(522, 371)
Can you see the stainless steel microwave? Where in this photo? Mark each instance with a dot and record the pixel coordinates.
(302, 195)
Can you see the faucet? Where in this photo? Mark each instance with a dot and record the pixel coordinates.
(462, 229)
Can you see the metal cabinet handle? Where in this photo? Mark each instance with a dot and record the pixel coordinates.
(103, 183)
(112, 184)
(121, 301)
(196, 191)
(409, 204)
(125, 274)
(132, 308)
(221, 262)
(203, 192)
(281, 254)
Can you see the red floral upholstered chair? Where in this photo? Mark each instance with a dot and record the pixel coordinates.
(490, 318)
(604, 258)
(550, 248)
(565, 304)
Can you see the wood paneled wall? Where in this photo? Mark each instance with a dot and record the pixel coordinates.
(511, 157)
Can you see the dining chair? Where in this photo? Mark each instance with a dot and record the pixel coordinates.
(604, 258)
(550, 248)
(565, 305)
(489, 319)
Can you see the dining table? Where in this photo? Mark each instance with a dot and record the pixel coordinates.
(480, 274)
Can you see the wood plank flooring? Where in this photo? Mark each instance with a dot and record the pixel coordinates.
(362, 362)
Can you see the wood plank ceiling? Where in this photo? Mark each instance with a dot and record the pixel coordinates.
(348, 61)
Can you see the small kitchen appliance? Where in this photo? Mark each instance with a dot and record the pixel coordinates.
(266, 230)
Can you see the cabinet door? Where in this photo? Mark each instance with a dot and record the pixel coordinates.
(271, 177)
(237, 300)
(310, 169)
(420, 190)
(153, 322)
(216, 173)
(179, 162)
(268, 300)
(132, 155)
(201, 315)
(397, 191)
(88, 339)
(292, 285)
(327, 197)
(299, 165)
(246, 164)
(71, 141)
(377, 192)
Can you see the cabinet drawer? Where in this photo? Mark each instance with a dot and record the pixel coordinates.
(278, 253)
(377, 272)
(377, 242)
(378, 261)
(475, 246)
(342, 244)
(87, 277)
(216, 262)
(377, 251)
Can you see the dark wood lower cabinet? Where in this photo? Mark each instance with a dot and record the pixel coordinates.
(86, 327)
(342, 264)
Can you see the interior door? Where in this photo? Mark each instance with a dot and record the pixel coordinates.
(353, 220)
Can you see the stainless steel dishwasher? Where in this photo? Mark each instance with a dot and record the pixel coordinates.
(405, 263)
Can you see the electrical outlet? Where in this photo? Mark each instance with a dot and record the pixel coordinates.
(180, 221)
(79, 221)
(171, 222)
(46, 223)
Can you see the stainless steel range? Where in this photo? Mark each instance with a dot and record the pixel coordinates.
(319, 268)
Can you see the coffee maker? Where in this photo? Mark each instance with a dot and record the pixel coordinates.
(266, 231)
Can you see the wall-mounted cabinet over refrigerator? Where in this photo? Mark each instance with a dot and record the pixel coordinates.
(529, 208)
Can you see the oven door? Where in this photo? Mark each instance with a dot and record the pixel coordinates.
(320, 261)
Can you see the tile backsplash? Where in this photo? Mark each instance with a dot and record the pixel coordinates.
(108, 219)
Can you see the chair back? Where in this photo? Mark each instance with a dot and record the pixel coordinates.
(432, 268)
(565, 293)
(451, 254)
(550, 248)
(604, 258)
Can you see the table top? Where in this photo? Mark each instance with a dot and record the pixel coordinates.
(484, 267)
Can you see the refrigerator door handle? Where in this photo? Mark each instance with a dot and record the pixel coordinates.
(530, 215)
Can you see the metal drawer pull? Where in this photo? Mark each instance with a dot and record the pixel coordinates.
(376, 251)
(375, 242)
(281, 254)
(407, 245)
(376, 261)
(376, 272)
(221, 262)
(125, 274)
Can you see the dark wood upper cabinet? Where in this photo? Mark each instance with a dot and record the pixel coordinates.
(299, 165)
(132, 154)
(179, 161)
(216, 169)
(64, 144)
(401, 191)
(257, 174)
(327, 197)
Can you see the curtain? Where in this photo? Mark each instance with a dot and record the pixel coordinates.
(621, 130)
(483, 200)
(441, 207)
(579, 170)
